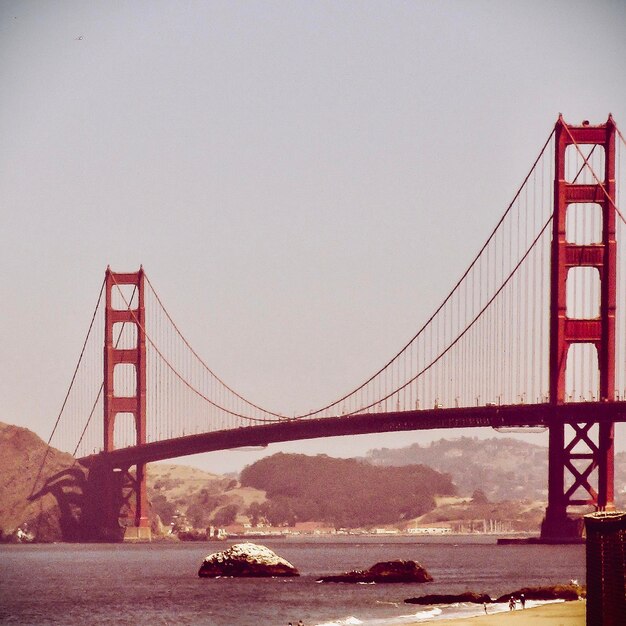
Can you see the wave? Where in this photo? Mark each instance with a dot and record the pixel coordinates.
(427, 614)
(346, 621)
(434, 614)
(459, 610)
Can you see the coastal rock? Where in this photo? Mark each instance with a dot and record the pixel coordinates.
(384, 572)
(442, 598)
(549, 592)
(246, 559)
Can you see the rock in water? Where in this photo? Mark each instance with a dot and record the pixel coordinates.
(246, 559)
(384, 572)
(443, 598)
(549, 592)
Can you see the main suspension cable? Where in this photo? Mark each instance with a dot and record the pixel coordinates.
(465, 331)
(178, 374)
(446, 299)
(202, 362)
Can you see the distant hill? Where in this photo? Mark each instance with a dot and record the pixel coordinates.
(504, 468)
(342, 492)
(467, 514)
(20, 462)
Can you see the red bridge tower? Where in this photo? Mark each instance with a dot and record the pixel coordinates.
(127, 490)
(572, 460)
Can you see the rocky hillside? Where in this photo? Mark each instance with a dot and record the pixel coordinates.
(46, 515)
(45, 500)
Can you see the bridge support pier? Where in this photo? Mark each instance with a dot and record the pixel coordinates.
(139, 530)
(581, 454)
(137, 501)
(102, 503)
(113, 510)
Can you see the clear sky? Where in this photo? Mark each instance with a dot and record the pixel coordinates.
(302, 181)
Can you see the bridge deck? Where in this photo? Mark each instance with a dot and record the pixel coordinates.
(509, 416)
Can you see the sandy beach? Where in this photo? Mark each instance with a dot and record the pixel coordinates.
(557, 614)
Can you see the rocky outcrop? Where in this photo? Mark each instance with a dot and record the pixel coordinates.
(549, 592)
(442, 598)
(246, 559)
(384, 572)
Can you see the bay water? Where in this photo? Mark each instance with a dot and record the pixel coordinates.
(157, 583)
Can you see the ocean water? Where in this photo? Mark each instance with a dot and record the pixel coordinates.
(157, 583)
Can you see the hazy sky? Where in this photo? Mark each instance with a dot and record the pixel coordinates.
(302, 181)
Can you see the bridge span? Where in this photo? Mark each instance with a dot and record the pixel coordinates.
(512, 416)
(532, 334)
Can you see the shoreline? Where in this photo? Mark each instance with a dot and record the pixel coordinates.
(552, 614)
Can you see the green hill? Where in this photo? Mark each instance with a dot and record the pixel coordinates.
(342, 492)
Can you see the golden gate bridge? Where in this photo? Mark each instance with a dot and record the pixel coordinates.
(530, 335)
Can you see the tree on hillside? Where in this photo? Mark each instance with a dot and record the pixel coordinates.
(254, 513)
(163, 508)
(226, 515)
(343, 492)
(199, 515)
(479, 497)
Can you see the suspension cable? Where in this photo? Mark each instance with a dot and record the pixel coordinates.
(600, 184)
(373, 376)
(467, 328)
(67, 395)
(175, 371)
(208, 369)
(447, 298)
(619, 132)
(99, 394)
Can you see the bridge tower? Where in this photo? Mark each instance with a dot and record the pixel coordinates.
(126, 489)
(573, 458)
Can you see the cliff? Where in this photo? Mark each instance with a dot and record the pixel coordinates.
(30, 489)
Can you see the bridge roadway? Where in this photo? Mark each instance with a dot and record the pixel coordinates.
(289, 429)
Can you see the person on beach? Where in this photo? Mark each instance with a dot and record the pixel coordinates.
(522, 600)
(512, 604)
(485, 607)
